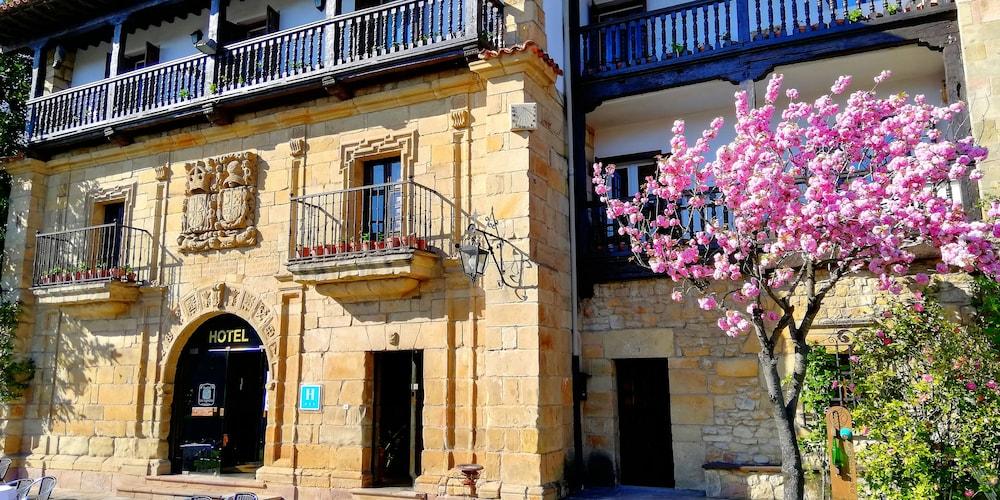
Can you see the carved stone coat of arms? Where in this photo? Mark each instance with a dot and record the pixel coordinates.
(220, 203)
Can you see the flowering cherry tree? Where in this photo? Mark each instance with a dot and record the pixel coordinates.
(795, 203)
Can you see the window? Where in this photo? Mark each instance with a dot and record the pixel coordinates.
(382, 198)
(615, 10)
(631, 173)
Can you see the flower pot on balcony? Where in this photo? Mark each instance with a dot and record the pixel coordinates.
(303, 252)
(130, 277)
(396, 242)
(367, 246)
(331, 249)
(342, 247)
(318, 251)
(115, 272)
(381, 244)
(46, 279)
(802, 28)
(78, 275)
(421, 244)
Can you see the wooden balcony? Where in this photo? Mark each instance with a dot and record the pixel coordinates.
(328, 54)
(375, 241)
(738, 40)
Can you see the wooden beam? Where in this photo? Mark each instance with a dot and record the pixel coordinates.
(117, 138)
(96, 22)
(337, 88)
(216, 20)
(117, 55)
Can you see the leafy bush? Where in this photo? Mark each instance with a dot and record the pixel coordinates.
(929, 401)
(15, 371)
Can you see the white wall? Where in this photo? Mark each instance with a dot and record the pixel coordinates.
(173, 39)
(620, 133)
(554, 36)
(90, 64)
(291, 12)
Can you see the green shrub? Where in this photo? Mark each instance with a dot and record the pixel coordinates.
(929, 400)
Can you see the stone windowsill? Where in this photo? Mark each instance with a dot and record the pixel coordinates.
(395, 274)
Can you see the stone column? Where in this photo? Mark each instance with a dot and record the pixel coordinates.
(979, 24)
(526, 377)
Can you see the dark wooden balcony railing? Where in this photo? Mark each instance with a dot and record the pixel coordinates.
(676, 34)
(371, 220)
(108, 252)
(608, 243)
(390, 32)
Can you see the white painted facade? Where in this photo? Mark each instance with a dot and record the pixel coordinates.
(174, 38)
(642, 123)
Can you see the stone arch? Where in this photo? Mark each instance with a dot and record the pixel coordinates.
(197, 307)
(210, 301)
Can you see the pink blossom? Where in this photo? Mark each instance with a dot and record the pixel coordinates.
(970, 385)
(992, 385)
(677, 296)
(707, 303)
(918, 307)
(772, 316)
(928, 378)
(841, 85)
(969, 493)
(853, 358)
(784, 182)
(883, 76)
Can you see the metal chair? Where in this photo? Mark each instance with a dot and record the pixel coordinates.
(21, 487)
(242, 496)
(199, 497)
(45, 486)
(4, 467)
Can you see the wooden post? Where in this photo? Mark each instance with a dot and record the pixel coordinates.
(38, 70)
(843, 480)
(743, 20)
(117, 56)
(216, 20)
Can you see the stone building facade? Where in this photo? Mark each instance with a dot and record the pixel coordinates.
(495, 359)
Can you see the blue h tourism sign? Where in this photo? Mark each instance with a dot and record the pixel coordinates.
(310, 397)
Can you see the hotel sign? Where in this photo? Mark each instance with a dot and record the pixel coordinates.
(233, 336)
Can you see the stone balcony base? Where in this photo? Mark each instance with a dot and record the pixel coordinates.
(98, 300)
(369, 277)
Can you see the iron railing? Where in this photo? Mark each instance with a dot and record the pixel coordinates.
(105, 252)
(395, 30)
(675, 34)
(374, 219)
(607, 241)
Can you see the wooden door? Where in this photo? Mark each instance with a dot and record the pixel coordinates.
(645, 452)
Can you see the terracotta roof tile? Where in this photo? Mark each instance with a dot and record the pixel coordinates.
(528, 46)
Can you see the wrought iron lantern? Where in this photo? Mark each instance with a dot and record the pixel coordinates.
(473, 257)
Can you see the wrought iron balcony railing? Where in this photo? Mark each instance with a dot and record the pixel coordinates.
(372, 220)
(103, 253)
(379, 35)
(681, 33)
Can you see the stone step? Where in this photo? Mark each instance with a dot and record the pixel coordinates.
(386, 494)
(182, 486)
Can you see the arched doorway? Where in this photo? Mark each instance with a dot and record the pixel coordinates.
(219, 410)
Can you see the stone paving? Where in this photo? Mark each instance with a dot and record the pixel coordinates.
(79, 495)
(637, 493)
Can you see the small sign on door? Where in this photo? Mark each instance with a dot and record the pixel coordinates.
(206, 395)
(310, 397)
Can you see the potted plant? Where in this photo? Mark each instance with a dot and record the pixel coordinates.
(101, 271)
(677, 48)
(801, 28)
(115, 272)
(303, 251)
(366, 242)
(855, 15)
(395, 242)
(128, 273)
(331, 249)
(78, 272)
(381, 242)
(342, 247)
(318, 250)
(892, 9)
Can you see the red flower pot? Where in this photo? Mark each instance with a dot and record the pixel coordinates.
(319, 250)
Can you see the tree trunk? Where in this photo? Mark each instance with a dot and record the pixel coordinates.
(791, 459)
